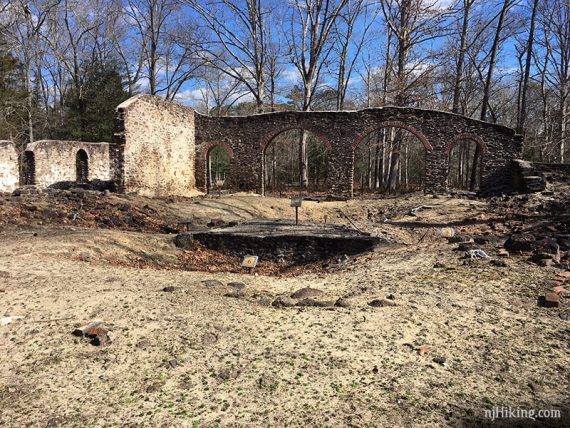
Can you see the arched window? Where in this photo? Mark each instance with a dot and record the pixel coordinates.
(282, 160)
(390, 158)
(28, 168)
(81, 166)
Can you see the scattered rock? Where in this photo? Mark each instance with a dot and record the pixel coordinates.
(154, 387)
(209, 339)
(227, 373)
(143, 344)
(9, 319)
(466, 246)
(170, 289)
(212, 283)
(173, 363)
(546, 262)
(481, 240)
(284, 302)
(440, 360)
(306, 293)
(236, 294)
(240, 286)
(422, 350)
(521, 242)
(549, 300)
(439, 265)
(264, 301)
(380, 303)
(503, 252)
(342, 303)
(499, 263)
(316, 303)
(184, 240)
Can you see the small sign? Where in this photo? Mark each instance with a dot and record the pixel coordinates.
(296, 201)
(249, 262)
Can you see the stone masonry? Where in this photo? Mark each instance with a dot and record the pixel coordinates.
(153, 154)
(9, 177)
(55, 161)
(439, 132)
(159, 145)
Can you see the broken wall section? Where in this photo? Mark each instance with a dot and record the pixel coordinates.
(154, 149)
(9, 175)
(55, 161)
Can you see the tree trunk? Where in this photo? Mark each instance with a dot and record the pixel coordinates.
(461, 59)
(522, 113)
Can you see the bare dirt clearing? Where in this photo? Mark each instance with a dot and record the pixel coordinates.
(441, 345)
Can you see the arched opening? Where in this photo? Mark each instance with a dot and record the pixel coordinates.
(81, 166)
(390, 159)
(217, 167)
(282, 160)
(28, 168)
(465, 159)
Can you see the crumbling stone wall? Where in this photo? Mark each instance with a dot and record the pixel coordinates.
(9, 176)
(153, 151)
(438, 131)
(531, 177)
(160, 145)
(55, 161)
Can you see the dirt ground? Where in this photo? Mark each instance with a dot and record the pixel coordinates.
(449, 339)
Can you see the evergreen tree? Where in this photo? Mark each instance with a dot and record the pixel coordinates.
(90, 109)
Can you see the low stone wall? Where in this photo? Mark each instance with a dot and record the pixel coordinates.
(9, 176)
(154, 148)
(529, 177)
(55, 161)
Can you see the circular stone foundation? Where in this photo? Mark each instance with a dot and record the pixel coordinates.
(282, 240)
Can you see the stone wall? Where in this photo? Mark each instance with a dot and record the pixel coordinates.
(248, 136)
(153, 151)
(531, 177)
(9, 176)
(55, 161)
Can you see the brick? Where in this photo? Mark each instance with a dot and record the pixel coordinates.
(551, 300)
(561, 291)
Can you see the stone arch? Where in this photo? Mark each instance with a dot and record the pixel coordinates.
(81, 166)
(468, 136)
(28, 168)
(205, 149)
(393, 124)
(202, 164)
(271, 136)
(268, 138)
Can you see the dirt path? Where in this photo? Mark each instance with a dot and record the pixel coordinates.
(196, 357)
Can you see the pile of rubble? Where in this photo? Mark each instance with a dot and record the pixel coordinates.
(29, 206)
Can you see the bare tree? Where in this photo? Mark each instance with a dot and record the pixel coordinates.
(238, 41)
(312, 22)
(554, 17)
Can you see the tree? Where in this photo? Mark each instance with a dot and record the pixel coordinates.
(238, 42)
(312, 22)
(89, 117)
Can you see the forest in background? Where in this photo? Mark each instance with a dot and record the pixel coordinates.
(66, 64)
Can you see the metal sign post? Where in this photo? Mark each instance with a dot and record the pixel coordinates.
(296, 202)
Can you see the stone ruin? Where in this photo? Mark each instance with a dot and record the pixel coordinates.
(162, 149)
